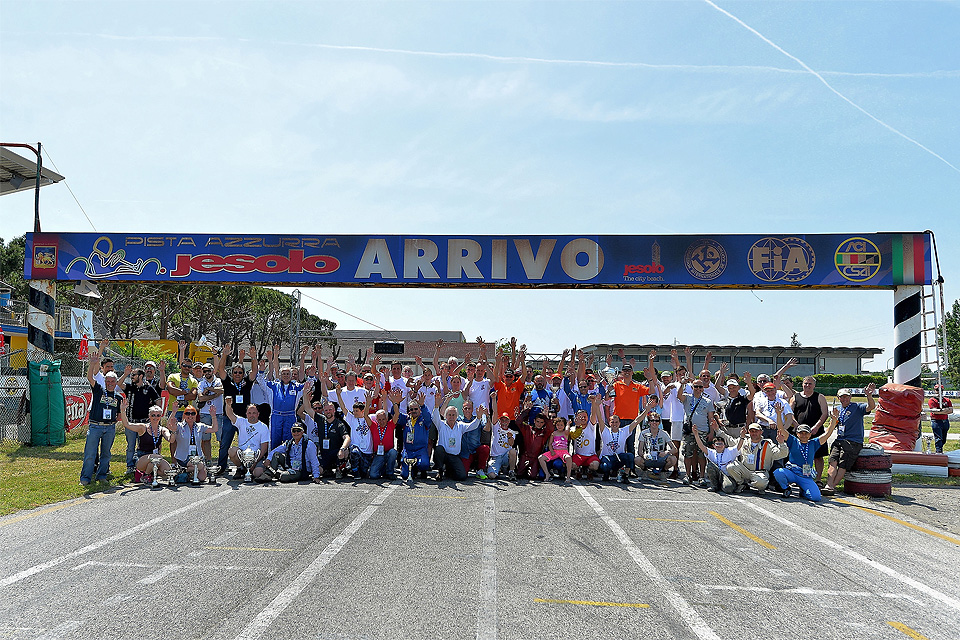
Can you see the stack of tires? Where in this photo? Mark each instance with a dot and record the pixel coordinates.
(870, 474)
(953, 464)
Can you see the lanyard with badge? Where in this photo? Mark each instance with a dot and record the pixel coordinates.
(325, 440)
(296, 456)
(752, 457)
(383, 434)
(410, 432)
(109, 399)
(193, 438)
(807, 464)
(157, 437)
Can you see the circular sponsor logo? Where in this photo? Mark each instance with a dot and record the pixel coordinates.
(857, 259)
(774, 259)
(705, 259)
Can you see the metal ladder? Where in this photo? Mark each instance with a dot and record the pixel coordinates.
(933, 335)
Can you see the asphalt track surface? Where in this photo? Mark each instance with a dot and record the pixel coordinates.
(476, 559)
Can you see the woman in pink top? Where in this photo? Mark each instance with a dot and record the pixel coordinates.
(559, 449)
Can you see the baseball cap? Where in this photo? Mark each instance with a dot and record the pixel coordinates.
(556, 376)
(769, 385)
(504, 415)
(628, 366)
(844, 392)
(803, 427)
(733, 381)
(150, 363)
(297, 426)
(755, 425)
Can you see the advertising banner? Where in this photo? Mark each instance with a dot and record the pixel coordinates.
(77, 409)
(833, 261)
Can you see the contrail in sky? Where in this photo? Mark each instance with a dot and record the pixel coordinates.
(830, 87)
(947, 73)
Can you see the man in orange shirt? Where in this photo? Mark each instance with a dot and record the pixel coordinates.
(509, 388)
(627, 401)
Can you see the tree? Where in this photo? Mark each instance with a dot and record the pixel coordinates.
(794, 342)
(11, 266)
(951, 326)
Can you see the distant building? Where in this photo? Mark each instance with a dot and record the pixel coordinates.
(755, 359)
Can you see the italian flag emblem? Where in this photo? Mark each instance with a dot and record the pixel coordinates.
(911, 259)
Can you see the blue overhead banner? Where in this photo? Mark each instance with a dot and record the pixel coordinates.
(834, 261)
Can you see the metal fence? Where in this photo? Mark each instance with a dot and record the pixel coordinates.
(13, 386)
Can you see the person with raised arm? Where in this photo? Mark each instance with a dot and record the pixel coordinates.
(102, 429)
(846, 448)
(149, 435)
(251, 434)
(328, 431)
(450, 430)
(800, 468)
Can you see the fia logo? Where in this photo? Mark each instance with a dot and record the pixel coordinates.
(773, 259)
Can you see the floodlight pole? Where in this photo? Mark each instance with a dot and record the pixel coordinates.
(42, 302)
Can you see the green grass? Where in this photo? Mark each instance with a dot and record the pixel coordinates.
(34, 476)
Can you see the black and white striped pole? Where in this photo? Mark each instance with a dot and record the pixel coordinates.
(41, 319)
(906, 334)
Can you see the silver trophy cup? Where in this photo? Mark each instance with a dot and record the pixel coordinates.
(249, 458)
(155, 461)
(411, 467)
(212, 470)
(928, 443)
(172, 472)
(196, 460)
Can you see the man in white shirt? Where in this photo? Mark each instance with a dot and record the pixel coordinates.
(450, 430)
(764, 412)
(251, 434)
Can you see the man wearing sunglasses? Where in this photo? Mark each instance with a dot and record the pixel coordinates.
(182, 386)
(658, 451)
(699, 415)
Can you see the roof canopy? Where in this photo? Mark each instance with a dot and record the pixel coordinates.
(20, 174)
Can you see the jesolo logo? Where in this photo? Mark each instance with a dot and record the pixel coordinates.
(44, 257)
(705, 259)
(857, 259)
(653, 267)
(294, 262)
(790, 259)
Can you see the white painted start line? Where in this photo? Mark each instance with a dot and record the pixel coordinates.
(893, 573)
(812, 592)
(26, 573)
(487, 608)
(285, 598)
(687, 613)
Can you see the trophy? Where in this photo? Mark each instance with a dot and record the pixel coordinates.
(172, 472)
(196, 460)
(212, 470)
(155, 461)
(411, 467)
(248, 457)
(927, 446)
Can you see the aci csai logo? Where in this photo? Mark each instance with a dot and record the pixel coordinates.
(705, 259)
(857, 259)
(773, 259)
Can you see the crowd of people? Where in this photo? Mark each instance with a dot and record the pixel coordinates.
(498, 418)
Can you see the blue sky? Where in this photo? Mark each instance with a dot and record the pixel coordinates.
(504, 117)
